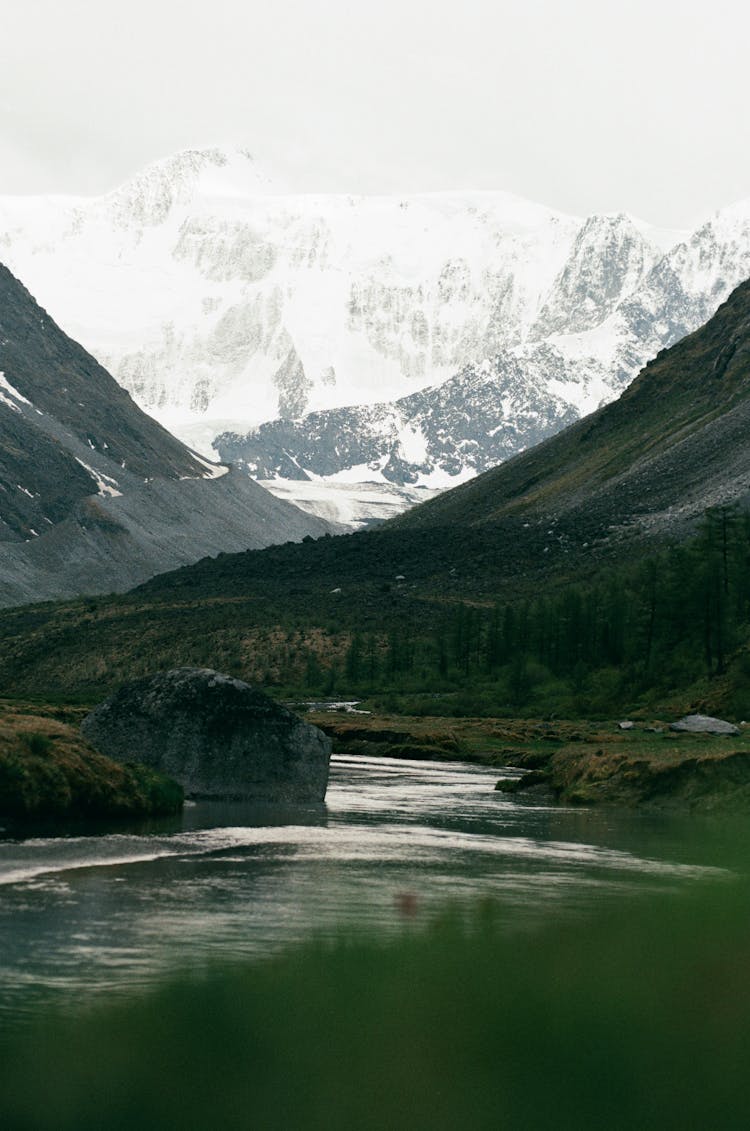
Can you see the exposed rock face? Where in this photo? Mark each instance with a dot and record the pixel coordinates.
(217, 736)
(650, 464)
(704, 724)
(477, 419)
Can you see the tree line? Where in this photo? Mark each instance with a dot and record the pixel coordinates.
(663, 622)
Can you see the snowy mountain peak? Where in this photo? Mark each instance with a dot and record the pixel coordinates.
(182, 180)
(736, 214)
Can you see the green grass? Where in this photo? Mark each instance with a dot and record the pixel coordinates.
(640, 1019)
(49, 772)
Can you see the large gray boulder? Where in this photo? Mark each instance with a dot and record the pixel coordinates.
(217, 736)
(704, 724)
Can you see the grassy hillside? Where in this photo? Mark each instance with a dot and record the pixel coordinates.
(664, 633)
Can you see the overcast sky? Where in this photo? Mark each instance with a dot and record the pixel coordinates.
(580, 104)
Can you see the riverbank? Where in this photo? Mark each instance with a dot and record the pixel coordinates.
(574, 762)
(48, 772)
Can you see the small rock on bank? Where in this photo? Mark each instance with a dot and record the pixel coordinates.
(217, 736)
(704, 724)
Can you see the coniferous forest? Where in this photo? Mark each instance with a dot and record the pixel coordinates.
(639, 630)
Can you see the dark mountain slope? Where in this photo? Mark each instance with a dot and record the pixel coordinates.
(673, 444)
(65, 424)
(40, 481)
(65, 382)
(96, 496)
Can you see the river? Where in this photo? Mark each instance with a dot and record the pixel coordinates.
(83, 916)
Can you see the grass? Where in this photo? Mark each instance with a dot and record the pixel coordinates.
(48, 772)
(639, 1019)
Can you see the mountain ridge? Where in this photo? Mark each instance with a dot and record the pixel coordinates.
(549, 368)
(646, 455)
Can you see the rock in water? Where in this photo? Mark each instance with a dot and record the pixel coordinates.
(217, 736)
(704, 724)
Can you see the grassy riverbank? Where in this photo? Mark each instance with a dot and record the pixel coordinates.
(48, 772)
(574, 761)
(638, 1019)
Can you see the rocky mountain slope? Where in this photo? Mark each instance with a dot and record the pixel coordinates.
(94, 494)
(435, 438)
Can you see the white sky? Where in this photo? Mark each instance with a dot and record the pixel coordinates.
(580, 104)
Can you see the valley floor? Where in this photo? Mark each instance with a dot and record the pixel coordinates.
(47, 770)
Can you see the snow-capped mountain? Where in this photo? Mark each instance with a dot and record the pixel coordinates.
(412, 339)
(612, 307)
(242, 303)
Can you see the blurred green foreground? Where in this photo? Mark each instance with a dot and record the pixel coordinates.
(638, 1019)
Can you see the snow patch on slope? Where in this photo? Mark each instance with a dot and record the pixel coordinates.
(412, 443)
(10, 396)
(107, 487)
(213, 470)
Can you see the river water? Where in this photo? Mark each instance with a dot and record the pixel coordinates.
(93, 915)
